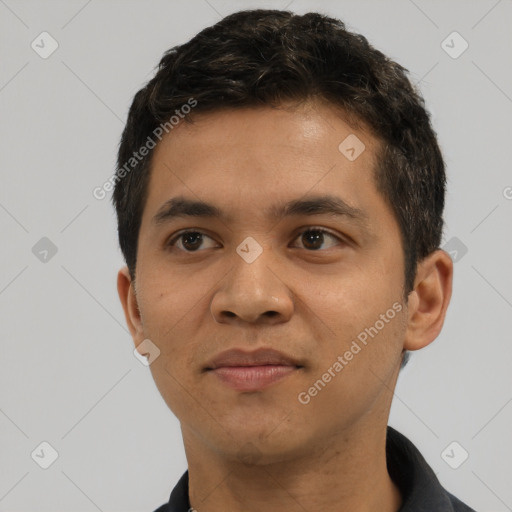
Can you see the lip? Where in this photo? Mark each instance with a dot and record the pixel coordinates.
(252, 371)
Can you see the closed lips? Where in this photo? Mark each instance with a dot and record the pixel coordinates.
(260, 357)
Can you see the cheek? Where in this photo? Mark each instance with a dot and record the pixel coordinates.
(170, 312)
(363, 358)
(166, 296)
(359, 315)
(170, 307)
(353, 299)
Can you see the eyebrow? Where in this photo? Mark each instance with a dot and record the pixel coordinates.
(179, 207)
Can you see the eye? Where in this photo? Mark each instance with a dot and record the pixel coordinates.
(313, 238)
(189, 241)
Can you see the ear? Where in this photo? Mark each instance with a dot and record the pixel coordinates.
(428, 301)
(126, 291)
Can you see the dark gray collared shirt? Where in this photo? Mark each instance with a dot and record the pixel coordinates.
(420, 488)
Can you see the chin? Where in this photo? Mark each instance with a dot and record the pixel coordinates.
(263, 448)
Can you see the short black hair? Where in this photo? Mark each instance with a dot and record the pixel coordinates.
(270, 57)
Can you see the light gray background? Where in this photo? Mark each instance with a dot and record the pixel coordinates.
(67, 372)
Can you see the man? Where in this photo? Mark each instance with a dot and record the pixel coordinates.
(279, 195)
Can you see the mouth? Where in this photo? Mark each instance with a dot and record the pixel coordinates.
(252, 378)
(252, 371)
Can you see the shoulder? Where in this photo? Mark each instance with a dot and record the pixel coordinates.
(458, 506)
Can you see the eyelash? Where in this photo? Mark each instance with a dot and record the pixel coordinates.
(171, 243)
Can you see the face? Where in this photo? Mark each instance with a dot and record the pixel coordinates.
(303, 256)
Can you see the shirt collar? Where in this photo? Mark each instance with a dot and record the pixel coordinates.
(418, 484)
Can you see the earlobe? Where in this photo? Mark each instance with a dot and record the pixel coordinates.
(126, 291)
(428, 302)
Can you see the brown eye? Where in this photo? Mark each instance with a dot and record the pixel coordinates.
(314, 238)
(189, 241)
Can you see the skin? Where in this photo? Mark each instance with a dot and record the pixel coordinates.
(266, 450)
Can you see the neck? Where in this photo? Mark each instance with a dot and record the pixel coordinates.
(346, 472)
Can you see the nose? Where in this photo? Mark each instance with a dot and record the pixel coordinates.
(253, 293)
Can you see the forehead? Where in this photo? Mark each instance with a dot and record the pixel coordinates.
(310, 123)
(255, 158)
